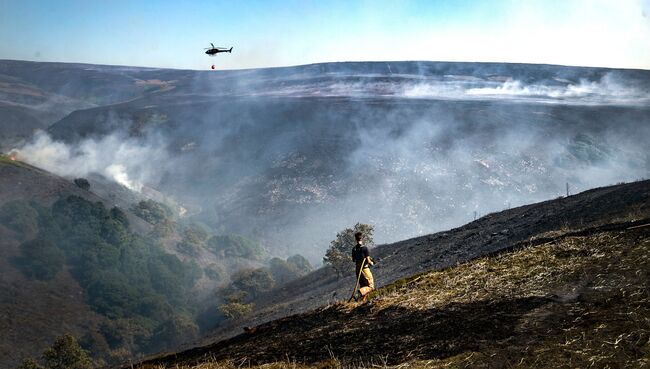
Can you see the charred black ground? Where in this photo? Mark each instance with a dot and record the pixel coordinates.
(575, 294)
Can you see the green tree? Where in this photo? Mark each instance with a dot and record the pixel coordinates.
(173, 332)
(101, 255)
(110, 294)
(47, 225)
(120, 216)
(95, 343)
(40, 259)
(130, 334)
(152, 211)
(155, 306)
(195, 234)
(163, 229)
(66, 353)
(283, 271)
(338, 255)
(188, 248)
(234, 246)
(82, 183)
(253, 281)
(214, 272)
(114, 232)
(20, 217)
(125, 277)
(193, 239)
(165, 280)
(302, 265)
(75, 210)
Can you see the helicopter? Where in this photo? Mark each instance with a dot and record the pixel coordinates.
(215, 50)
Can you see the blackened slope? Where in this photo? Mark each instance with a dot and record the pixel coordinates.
(504, 229)
(576, 300)
(490, 234)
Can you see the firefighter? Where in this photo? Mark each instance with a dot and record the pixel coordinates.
(363, 261)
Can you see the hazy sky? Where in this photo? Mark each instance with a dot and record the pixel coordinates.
(165, 33)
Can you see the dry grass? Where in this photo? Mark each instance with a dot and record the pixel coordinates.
(601, 281)
(534, 271)
(577, 302)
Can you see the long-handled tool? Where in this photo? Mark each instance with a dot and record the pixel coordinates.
(356, 285)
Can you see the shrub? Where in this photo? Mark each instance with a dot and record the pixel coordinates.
(286, 271)
(152, 211)
(282, 271)
(234, 306)
(30, 364)
(338, 255)
(82, 183)
(235, 310)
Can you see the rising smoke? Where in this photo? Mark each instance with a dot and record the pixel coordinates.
(128, 161)
(608, 90)
(291, 159)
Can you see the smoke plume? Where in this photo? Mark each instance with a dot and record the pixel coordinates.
(128, 161)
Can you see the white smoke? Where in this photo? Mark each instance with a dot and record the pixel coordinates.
(607, 90)
(129, 162)
(119, 175)
(604, 91)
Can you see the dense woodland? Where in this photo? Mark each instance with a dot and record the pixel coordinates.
(145, 293)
